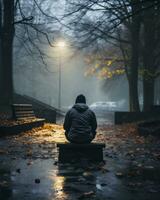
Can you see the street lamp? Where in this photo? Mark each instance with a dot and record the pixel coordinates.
(61, 45)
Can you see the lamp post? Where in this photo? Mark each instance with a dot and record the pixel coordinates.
(61, 45)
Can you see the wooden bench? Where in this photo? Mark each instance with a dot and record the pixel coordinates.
(69, 152)
(25, 120)
(23, 111)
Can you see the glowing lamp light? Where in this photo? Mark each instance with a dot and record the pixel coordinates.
(61, 44)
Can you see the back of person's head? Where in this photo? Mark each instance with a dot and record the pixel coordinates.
(80, 99)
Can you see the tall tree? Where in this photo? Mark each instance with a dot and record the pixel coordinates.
(15, 13)
(151, 46)
(1, 48)
(133, 73)
(7, 35)
(99, 20)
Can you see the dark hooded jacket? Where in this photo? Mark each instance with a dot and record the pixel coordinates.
(80, 124)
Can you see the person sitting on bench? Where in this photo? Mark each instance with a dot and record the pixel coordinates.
(80, 122)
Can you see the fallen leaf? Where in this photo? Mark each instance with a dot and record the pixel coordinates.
(29, 163)
(103, 184)
(18, 170)
(98, 186)
(29, 153)
(55, 163)
(153, 191)
(88, 175)
(37, 180)
(149, 167)
(104, 170)
(86, 195)
(2, 151)
(4, 184)
(119, 174)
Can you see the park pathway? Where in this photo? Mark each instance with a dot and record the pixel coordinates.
(29, 168)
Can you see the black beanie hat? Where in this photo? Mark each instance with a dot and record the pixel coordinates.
(81, 99)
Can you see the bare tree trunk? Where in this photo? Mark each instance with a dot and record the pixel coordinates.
(1, 83)
(133, 72)
(149, 57)
(7, 47)
(148, 93)
(133, 77)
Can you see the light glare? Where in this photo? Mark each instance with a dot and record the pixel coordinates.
(61, 44)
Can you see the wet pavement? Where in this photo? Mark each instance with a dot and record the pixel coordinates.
(29, 167)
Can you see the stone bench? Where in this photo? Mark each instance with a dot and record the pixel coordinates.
(69, 152)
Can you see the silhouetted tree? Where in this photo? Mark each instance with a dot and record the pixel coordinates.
(150, 51)
(100, 20)
(7, 35)
(15, 13)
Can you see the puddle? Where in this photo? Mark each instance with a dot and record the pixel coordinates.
(30, 171)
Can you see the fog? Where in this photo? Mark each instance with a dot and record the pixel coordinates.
(36, 68)
(35, 79)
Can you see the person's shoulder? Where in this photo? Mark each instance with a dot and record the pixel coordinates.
(70, 110)
(91, 111)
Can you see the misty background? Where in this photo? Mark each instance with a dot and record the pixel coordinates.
(36, 73)
(33, 78)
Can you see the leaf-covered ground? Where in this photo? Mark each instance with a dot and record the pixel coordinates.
(29, 165)
(11, 122)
